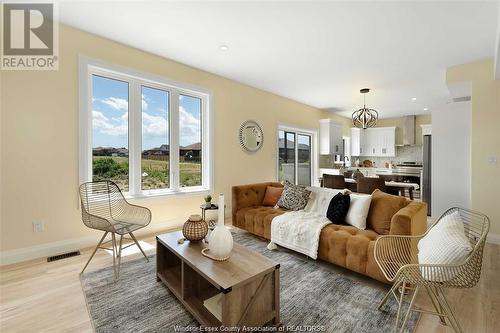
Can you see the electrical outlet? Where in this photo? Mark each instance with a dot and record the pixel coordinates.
(38, 226)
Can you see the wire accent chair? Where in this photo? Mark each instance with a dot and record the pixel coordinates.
(104, 208)
(397, 258)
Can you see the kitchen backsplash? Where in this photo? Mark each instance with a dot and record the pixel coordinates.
(403, 154)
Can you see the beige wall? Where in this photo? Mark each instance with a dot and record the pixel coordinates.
(39, 139)
(485, 136)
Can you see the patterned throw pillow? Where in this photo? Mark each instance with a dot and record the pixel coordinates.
(294, 197)
(338, 208)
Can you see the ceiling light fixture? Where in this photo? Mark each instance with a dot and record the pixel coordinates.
(426, 109)
(224, 48)
(413, 98)
(365, 117)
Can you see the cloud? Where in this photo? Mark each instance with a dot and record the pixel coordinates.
(153, 126)
(116, 103)
(190, 127)
(106, 126)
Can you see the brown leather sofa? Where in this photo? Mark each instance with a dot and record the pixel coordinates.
(342, 245)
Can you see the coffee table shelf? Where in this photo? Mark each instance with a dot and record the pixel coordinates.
(248, 282)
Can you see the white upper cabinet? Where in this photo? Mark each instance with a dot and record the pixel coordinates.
(356, 141)
(378, 141)
(330, 138)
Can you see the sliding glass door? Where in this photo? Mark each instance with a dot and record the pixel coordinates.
(294, 157)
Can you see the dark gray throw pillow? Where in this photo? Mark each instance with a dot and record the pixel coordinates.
(294, 197)
(338, 208)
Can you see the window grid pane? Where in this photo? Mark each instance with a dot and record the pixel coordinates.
(155, 156)
(286, 156)
(190, 142)
(304, 159)
(110, 147)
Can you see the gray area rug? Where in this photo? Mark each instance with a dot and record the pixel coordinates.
(310, 295)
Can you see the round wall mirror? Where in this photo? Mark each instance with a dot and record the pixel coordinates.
(251, 136)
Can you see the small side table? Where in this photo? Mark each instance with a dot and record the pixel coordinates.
(211, 223)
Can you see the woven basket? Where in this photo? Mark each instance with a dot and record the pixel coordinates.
(195, 229)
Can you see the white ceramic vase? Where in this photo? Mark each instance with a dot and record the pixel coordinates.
(220, 242)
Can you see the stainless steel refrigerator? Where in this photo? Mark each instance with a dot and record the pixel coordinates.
(426, 173)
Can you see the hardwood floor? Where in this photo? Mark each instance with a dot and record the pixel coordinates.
(37, 296)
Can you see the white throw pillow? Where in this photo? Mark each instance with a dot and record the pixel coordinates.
(358, 210)
(445, 243)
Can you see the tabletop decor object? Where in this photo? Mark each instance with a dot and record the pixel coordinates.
(251, 136)
(208, 201)
(220, 242)
(195, 228)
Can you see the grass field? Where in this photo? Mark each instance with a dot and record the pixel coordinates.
(155, 173)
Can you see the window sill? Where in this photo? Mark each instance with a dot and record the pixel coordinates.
(159, 194)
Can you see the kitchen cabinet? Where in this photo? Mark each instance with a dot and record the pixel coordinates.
(378, 141)
(330, 138)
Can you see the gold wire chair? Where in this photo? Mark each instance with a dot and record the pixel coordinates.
(397, 258)
(105, 208)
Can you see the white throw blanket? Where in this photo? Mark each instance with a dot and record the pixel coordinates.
(298, 231)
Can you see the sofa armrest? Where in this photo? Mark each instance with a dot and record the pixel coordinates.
(410, 220)
(249, 195)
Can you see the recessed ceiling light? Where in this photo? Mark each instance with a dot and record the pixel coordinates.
(224, 47)
(413, 98)
(426, 109)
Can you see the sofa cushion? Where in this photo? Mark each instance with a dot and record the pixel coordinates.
(382, 209)
(294, 197)
(358, 210)
(338, 208)
(272, 196)
(349, 247)
(257, 219)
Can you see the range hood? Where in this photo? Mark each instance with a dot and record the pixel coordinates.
(409, 131)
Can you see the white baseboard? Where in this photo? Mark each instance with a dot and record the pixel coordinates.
(68, 245)
(493, 238)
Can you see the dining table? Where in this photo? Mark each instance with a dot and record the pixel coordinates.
(398, 187)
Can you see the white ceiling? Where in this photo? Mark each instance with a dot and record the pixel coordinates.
(318, 53)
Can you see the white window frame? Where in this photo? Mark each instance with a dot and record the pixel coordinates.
(136, 79)
(314, 150)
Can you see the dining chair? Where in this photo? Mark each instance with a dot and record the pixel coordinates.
(334, 181)
(369, 184)
(397, 257)
(104, 208)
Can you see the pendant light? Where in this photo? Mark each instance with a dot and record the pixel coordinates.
(365, 117)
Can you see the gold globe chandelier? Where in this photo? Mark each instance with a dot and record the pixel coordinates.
(365, 117)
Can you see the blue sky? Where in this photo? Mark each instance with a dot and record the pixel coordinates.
(110, 115)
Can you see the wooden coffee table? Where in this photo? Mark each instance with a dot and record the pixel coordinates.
(241, 291)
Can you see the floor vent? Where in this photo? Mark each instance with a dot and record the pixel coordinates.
(63, 256)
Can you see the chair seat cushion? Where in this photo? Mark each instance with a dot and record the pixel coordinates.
(444, 244)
